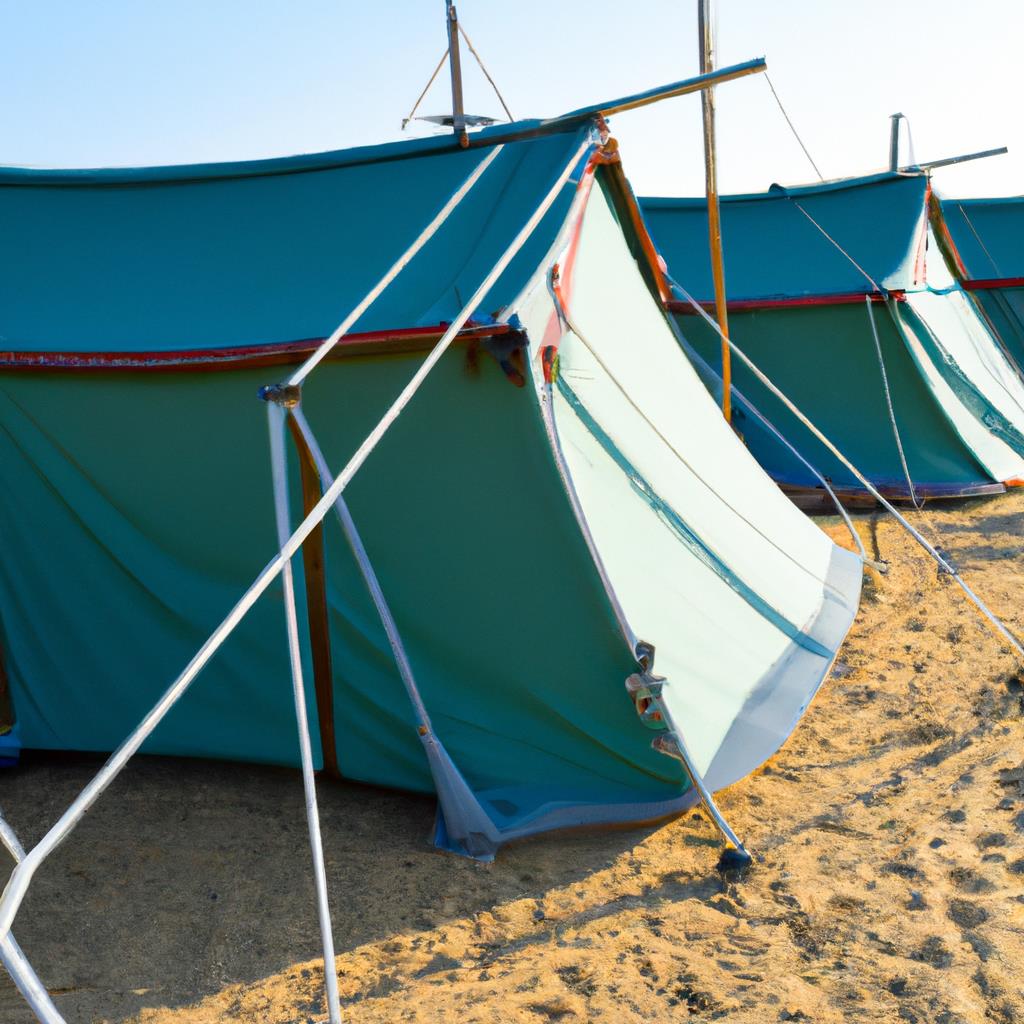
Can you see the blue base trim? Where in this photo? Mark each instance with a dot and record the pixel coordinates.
(10, 747)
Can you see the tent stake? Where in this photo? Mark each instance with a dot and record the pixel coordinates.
(707, 63)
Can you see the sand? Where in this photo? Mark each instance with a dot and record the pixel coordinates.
(888, 883)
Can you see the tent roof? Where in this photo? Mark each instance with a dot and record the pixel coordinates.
(267, 252)
(988, 235)
(772, 250)
(197, 259)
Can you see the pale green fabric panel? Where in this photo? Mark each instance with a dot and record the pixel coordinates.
(967, 342)
(712, 647)
(998, 458)
(726, 497)
(692, 575)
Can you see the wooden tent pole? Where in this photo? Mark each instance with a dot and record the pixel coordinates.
(455, 64)
(707, 63)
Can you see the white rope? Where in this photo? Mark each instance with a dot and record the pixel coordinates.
(374, 293)
(792, 128)
(984, 247)
(426, 88)
(943, 564)
(566, 316)
(487, 74)
(889, 405)
(874, 284)
(278, 460)
(695, 357)
(910, 140)
(17, 885)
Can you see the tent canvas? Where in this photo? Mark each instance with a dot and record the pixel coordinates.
(832, 295)
(543, 529)
(981, 239)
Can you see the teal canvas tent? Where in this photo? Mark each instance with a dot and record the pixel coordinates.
(983, 241)
(836, 293)
(551, 565)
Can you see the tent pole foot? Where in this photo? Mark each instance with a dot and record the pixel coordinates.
(735, 857)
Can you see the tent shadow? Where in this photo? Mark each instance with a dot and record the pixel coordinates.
(189, 876)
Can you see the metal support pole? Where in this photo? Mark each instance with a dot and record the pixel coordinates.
(27, 982)
(275, 419)
(458, 111)
(707, 64)
(894, 142)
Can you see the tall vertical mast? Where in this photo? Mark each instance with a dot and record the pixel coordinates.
(458, 112)
(894, 142)
(707, 64)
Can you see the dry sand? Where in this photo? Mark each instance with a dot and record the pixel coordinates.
(888, 885)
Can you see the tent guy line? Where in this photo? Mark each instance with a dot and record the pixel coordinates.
(888, 402)
(943, 564)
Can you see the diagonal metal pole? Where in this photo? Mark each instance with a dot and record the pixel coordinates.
(400, 264)
(27, 981)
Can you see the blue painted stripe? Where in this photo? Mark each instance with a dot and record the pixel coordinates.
(675, 522)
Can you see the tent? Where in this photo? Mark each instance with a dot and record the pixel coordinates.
(982, 242)
(834, 296)
(559, 519)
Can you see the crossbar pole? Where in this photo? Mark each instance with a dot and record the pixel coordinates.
(949, 160)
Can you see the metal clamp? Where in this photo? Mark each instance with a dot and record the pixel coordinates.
(285, 395)
(644, 688)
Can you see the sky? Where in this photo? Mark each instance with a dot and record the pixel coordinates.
(89, 83)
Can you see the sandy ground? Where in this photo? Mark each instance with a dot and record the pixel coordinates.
(888, 885)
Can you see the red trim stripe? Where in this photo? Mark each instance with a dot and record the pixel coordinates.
(747, 305)
(378, 342)
(983, 284)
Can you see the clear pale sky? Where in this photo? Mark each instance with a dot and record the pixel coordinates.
(107, 82)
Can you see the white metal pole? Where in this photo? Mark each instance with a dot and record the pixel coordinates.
(275, 420)
(355, 542)
(27, 981)
(400, 264)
